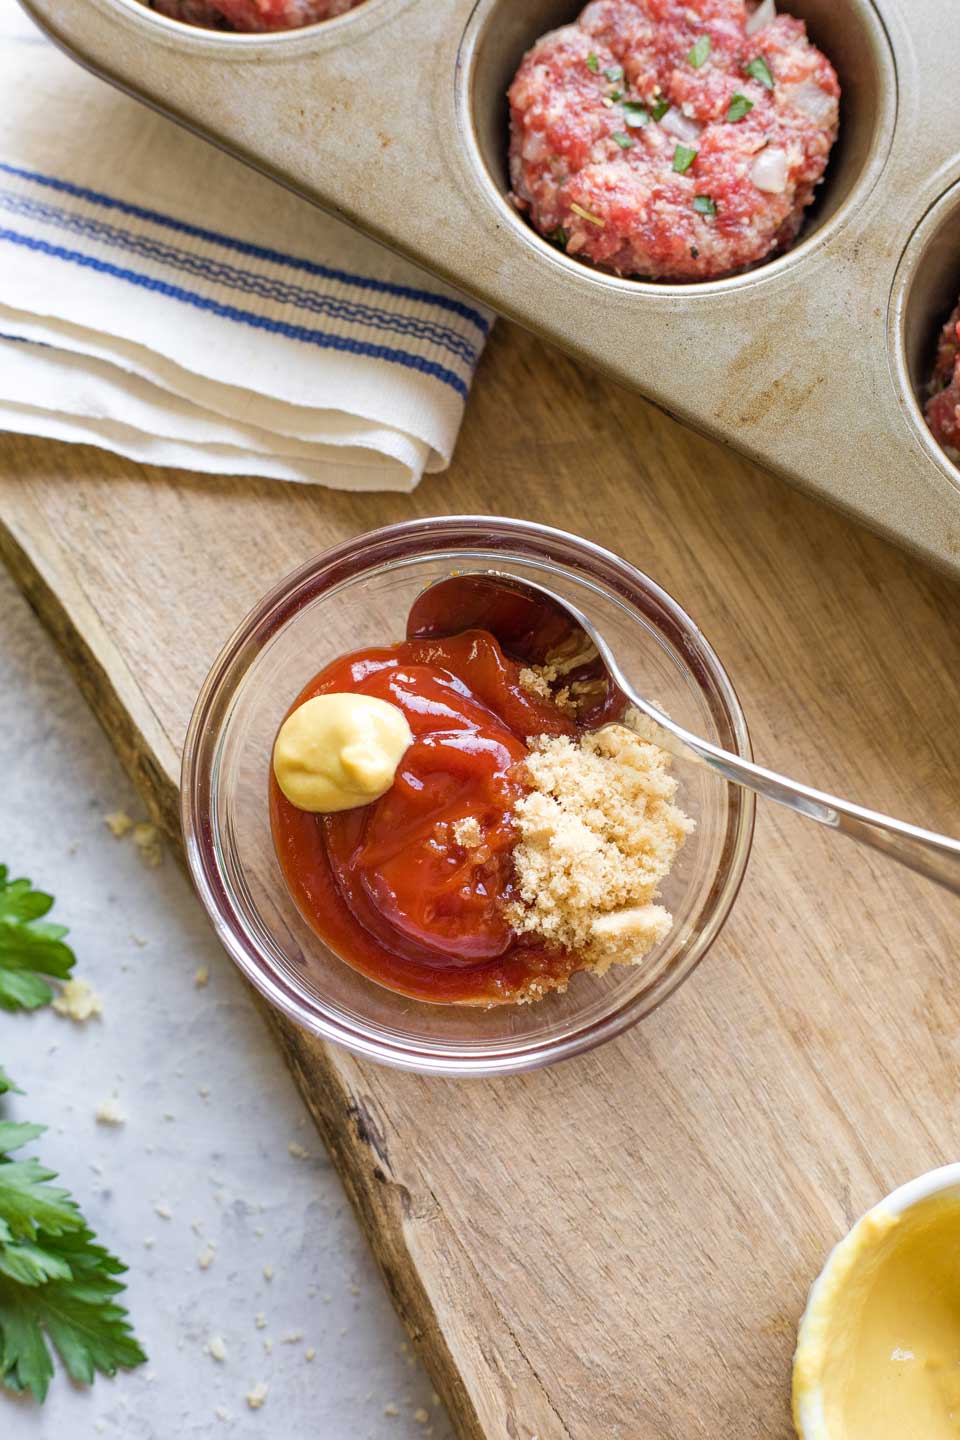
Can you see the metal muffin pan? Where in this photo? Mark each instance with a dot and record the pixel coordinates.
(394, 117)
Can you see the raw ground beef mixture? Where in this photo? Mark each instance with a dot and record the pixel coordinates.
(253, 14)
(660, 139)
(943, 406)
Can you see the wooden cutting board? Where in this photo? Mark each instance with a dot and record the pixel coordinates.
(617, 1248)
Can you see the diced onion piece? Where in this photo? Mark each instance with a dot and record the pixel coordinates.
(680, 125)
(534, 146)
(764, 13)
(811, 99)
(769, 170)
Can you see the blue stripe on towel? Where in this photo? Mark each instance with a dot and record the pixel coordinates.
(245, 247)
(306, 334)
(280, 292)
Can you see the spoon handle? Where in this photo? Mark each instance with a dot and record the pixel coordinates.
(930, 854)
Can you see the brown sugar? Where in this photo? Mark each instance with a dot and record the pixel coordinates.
(467, 832)
(597, 834)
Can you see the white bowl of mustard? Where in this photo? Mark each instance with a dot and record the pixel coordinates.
(878, 1351)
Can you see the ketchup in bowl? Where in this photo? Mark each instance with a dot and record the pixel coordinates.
(411, 889)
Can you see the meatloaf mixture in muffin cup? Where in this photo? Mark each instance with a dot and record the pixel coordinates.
(672, 139)
(253, 15)
(943, 404)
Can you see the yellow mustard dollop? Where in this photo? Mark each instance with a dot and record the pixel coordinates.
(878, 1356)
(335, 752)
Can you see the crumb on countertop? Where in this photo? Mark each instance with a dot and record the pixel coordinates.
(598, 833)
(78, 1001)
(118, 822)
(257, 1396)
(201, 976)
(108, 1112)
(149, 843)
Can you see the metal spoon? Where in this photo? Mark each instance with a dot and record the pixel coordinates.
(535, 625)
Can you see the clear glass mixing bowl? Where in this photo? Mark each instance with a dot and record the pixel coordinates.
(356, 595)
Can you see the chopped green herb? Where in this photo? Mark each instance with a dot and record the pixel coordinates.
(616, 95)
(614, 74)
(593, 63)
(622, 140)
(758, 69)
(699, 52)
(683, 158)
(30, 947)
(559, 236)
(635, 115)
(659, 108)
(704, 205)
(739, 106)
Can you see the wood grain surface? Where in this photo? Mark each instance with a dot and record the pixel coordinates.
(617, 1248)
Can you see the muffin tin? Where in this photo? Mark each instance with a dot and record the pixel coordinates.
(394, 117)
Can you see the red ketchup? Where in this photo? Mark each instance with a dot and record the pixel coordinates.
(388, 886)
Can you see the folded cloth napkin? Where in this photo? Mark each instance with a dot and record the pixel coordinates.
(164, 301)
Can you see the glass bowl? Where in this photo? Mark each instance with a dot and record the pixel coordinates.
(358, 594)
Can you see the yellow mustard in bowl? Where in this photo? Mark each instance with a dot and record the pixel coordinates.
(338, 751)
(878, 1351)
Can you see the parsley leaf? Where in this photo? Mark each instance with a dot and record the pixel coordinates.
(704, 205)
(683, 158)
(659, 108)
(699, 52)
(593, 63)
(634, 114)
(30, 947)
(559, 236)
(622, 140)
(614, 73)
(739, 106)
(56, 1283)
(758, 69)
(7, 1084)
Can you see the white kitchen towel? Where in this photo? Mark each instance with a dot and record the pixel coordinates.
(164, 301)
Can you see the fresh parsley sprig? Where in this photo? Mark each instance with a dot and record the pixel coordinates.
(30, 947)
(57, 1285)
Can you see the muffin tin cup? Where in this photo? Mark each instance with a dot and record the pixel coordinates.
(926, 288)
(499, 32)
(793, 362)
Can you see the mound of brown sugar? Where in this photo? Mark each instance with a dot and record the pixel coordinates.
(598, 833)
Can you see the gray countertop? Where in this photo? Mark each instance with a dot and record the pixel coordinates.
(229, 1235)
